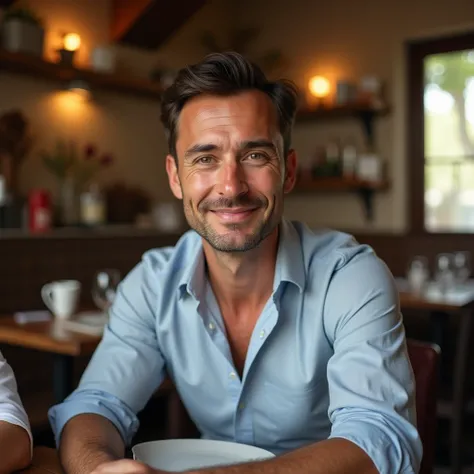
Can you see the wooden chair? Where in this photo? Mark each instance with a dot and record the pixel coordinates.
(424, 358)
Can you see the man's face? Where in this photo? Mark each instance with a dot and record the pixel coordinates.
(231, 171)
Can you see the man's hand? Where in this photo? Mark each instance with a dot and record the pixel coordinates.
(126, 466)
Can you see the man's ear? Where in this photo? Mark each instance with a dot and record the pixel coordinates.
(173, 177)
(290, 171)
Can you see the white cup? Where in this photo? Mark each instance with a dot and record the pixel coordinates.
(61, 297)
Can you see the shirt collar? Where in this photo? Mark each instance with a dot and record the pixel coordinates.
(289, 264)
(193, 277)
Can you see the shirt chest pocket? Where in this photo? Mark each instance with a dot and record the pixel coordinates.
(286, 418)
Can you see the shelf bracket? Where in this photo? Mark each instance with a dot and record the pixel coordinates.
(367, 195)
(367, 119)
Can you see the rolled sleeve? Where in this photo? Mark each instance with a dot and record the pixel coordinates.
(98, 403)
(127, 367)
(371, 383)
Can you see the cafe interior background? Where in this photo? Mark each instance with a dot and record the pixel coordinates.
(385, 137)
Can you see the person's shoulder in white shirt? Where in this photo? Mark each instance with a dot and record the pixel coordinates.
(16, 440)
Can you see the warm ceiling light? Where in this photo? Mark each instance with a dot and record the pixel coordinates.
(319, 86)
(71, 42)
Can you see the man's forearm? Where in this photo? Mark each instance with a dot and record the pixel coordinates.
(87, 441)
(333, 456)
(15, 448)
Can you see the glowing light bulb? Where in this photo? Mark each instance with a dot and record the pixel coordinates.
(319, 86)
(71, 42)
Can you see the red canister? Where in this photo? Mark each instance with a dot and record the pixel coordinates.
(39, 211)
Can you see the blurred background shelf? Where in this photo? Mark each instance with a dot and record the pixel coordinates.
(340, 111)
(39, 68)
(365, 189)
(338, 184)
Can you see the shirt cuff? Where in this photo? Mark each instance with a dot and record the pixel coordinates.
(387, 454)
(98, 403)
(18, 422)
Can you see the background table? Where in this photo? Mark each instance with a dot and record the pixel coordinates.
(441, 306)
(50, 337)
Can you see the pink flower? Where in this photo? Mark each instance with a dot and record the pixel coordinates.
(106, 160)
(89, 152)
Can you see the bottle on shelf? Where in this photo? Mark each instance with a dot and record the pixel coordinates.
(93, 206)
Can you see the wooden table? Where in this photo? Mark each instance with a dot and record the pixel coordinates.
(45, 461)
(65, 346)
(458, 303)
(50, 337)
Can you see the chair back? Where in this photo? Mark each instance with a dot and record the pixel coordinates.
(424, 358)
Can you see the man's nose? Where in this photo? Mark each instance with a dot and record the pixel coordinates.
(231, 180)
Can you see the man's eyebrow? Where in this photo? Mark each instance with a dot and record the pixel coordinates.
(245, 145)
(257, 143)
(200, 148)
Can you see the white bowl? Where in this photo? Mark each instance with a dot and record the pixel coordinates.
(177, 455)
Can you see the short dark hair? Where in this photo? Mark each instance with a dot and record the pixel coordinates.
(226, 74)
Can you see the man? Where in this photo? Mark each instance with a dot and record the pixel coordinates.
(274, 335)
(15, 433)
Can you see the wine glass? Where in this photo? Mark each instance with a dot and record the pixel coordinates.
(462, 267)
(104, 288)
(418, 274)
(445, 273)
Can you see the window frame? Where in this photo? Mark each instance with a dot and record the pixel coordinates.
(416, 51)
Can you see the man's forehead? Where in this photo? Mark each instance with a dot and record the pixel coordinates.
(247, 106)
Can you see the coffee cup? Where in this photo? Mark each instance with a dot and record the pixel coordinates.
(61, 297)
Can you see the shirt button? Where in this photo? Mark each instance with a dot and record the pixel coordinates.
(211, 326)
(233, 375)
(241, 406)
(262, 334)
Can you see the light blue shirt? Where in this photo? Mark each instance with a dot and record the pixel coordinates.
(327, 357)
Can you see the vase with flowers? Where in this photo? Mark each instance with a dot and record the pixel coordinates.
(60, 162)
(92, 200)
(75, 173)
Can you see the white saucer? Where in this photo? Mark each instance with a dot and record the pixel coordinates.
(177, 455)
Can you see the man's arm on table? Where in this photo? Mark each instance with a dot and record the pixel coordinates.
(89, 440)
(98, 419)
(370, 382)
(15, 447)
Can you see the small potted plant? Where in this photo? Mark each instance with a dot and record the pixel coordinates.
(22, 31)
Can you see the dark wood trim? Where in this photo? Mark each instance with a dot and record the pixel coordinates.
(160, 21)
(396, 250)
(416, 51)
(124, 14)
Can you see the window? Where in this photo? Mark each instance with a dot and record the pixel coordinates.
(441, 134)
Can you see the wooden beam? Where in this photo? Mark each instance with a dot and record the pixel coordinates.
(124, 14)
(6, 3)
(160, 20)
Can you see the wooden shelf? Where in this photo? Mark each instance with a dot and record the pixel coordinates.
(337, 184)
(365, 114)
(339, 111)
(365, 189)
(40, 68)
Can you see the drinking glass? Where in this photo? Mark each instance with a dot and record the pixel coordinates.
(462, 267)
(445, 272)
(418, 274)
(104, 288)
